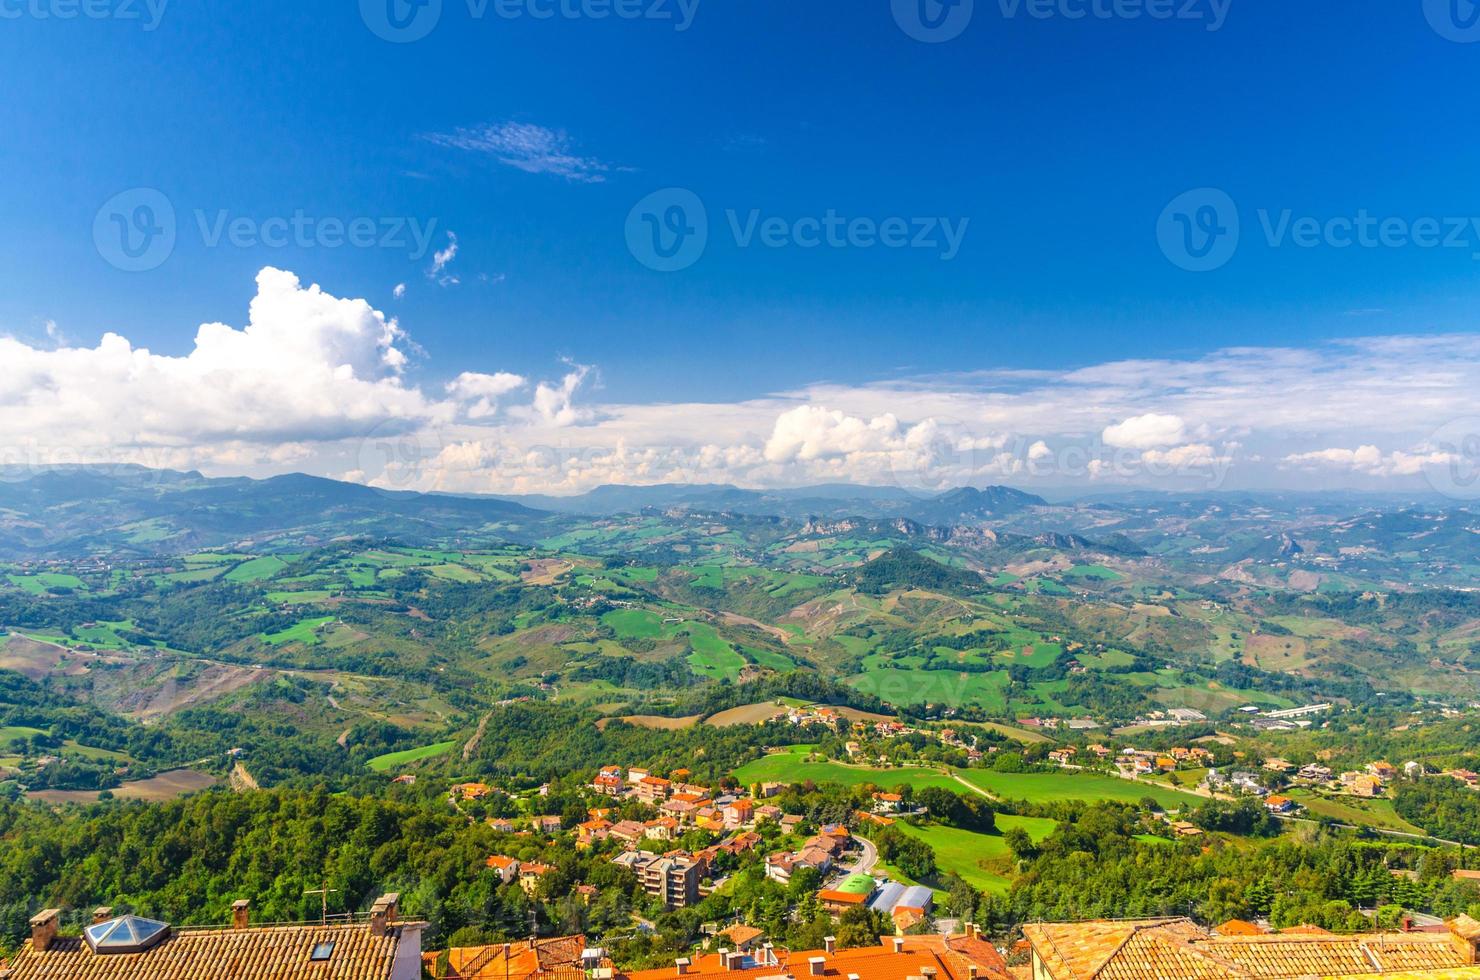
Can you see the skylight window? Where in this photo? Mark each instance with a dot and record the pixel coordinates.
(322, 952)
(125, 934)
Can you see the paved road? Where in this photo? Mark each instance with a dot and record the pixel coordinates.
(866, 861)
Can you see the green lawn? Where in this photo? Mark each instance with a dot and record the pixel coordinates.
(392, 760)
(712, 656)
(302, 631)
(634, 623)
(1378, 813)
(42, 582)
(979, 858)
(1071, 785)
(1099, 572)
(792, 767)
(257, 569)
(298, 598)
(898, 682)
(9, 732)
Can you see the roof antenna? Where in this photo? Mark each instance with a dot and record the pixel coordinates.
(323, 894)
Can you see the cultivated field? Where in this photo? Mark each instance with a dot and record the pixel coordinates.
(746, 714)
(393, 760)
(165, 786)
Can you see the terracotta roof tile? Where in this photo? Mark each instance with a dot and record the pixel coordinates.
(279, 952)
(1167, 949)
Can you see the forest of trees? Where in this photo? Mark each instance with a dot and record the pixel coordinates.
(1443, 807)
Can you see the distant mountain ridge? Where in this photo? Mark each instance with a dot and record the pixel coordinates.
(130, 509)
(963, 505)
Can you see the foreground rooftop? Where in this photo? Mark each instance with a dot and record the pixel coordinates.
(1178, 949)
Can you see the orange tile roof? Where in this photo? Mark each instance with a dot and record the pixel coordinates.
(281, 952)
(1238, 927)
(869, 962)
(742, 934)
(1162, 949)
(542, 959)
(1305, 929)
(841, 898)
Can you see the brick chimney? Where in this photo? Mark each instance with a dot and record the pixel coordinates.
(830, 943)
(683, 965)
(815, 965)
(899, 944)
(240, 913)
(383, 913)
(44, 928)
(102, 914)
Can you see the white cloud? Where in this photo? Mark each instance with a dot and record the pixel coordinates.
(440, 261)
(554, 404)
(528, 147)
(311, 380)
(811, 432)
(307, 367)
(400, 291)
(479, 393)
(1371, 461)
(1147, 431)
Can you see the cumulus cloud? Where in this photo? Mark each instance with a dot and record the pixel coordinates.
(812, 431)
(528, 147)
(1372, 461)
(1147, 431)
(319, 383)
(480, 393)
(306, 367)
(554, 404)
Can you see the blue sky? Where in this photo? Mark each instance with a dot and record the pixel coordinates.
(1051, 144)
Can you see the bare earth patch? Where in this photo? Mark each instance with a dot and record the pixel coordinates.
(165, 786)
(657, 722)
(746, 714)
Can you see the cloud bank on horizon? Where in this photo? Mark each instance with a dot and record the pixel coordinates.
(318, 383)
